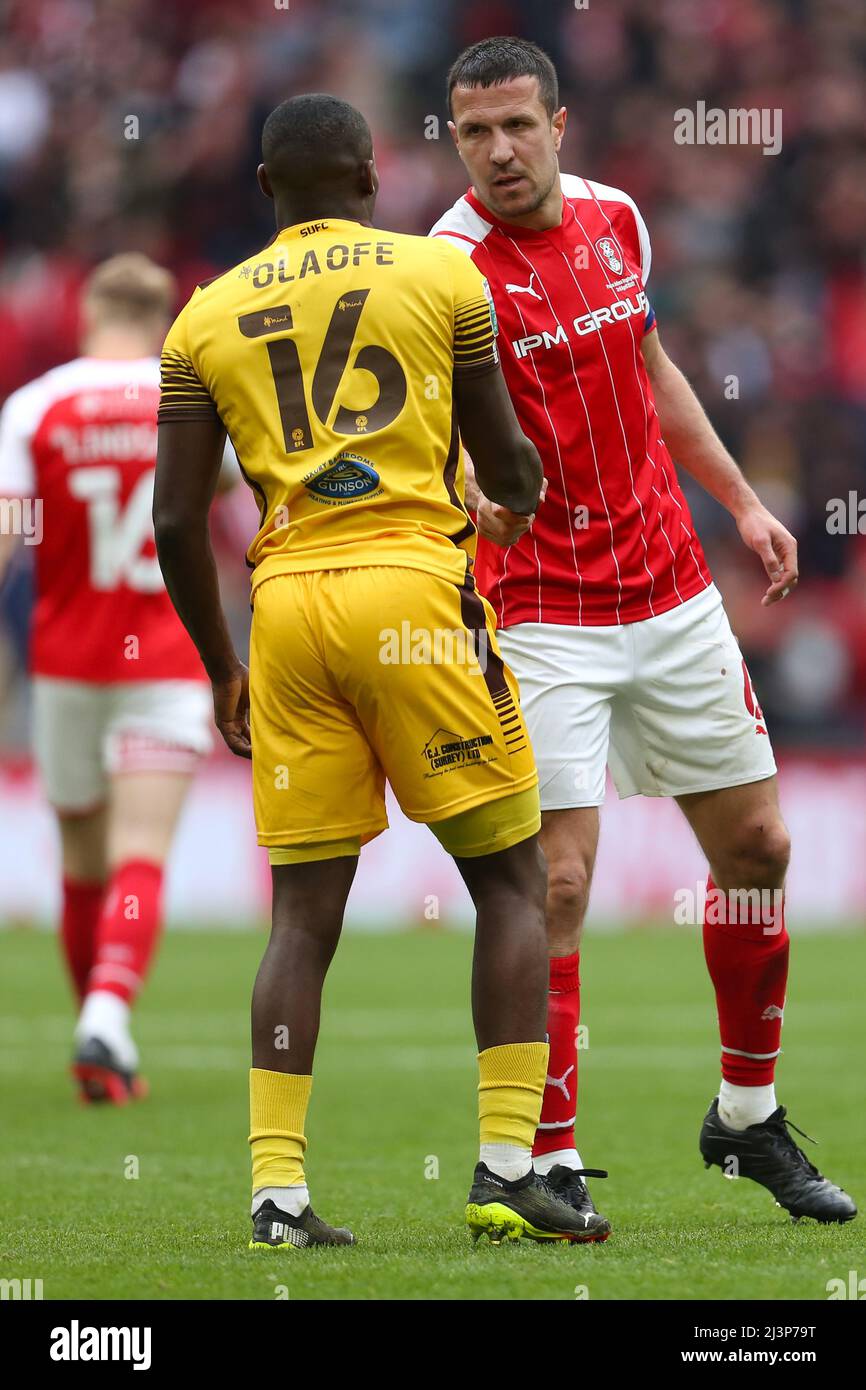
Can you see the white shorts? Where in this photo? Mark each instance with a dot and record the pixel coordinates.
(666, 702)
(83, 733)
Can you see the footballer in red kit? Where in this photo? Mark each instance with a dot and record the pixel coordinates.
(607, 612)
(121, 705)
(613, 542)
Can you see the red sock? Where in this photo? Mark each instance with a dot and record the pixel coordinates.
(556, 1126)
(128, 929)
(81, 907)
(748, 963)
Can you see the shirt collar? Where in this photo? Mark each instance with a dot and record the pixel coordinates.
(553, 234)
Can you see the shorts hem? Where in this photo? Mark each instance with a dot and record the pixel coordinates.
(181, 757)
(289, 839)
(515, 836)
(87, 808)
(468, 803)
(726, 785)
(576, 805)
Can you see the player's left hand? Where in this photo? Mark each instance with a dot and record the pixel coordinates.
(776, 547)
(231, 710)
(499, 524)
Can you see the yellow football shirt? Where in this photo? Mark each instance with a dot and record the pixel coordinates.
(329, 357)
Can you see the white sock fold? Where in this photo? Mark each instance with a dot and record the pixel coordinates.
(507, 1161)
(568, 1158)
(292, 1200)
(741, 1106)
(106, 1016)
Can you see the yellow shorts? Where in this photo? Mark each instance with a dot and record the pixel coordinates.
(358, 675)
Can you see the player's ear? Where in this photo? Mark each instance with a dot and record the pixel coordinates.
(369, 179)
(264, 181)
(558, 122)
(452, 127)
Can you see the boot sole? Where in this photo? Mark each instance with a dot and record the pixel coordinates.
(498, 1222)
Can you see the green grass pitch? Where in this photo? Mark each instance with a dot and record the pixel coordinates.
(394, 1103)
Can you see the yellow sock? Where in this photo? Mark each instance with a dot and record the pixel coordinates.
(278, 1111)
(510, 1092)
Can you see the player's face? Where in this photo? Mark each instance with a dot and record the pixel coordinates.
(508, 144)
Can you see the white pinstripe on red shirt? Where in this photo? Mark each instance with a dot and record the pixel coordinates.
(613, 542)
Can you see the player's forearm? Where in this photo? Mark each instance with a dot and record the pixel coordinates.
(506, 464)
(514, 480)
(190, 574)
(694, 444)
(471, 490)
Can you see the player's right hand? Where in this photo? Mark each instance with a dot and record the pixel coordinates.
(499, 524)
(764, 534)
(231, 710)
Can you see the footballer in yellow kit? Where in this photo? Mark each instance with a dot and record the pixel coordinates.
(343, 361)
(329, 358)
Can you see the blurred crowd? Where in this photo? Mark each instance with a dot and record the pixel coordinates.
(128, 124)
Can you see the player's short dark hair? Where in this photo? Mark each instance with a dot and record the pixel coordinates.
(489, 61)
(312, 131)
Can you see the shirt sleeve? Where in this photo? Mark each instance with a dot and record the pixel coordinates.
(183, 395)
(17, 425)
(646, 257)
(643, 237)
(475, 327)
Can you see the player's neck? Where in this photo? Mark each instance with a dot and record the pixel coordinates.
(117, 344)
(293, 214)
(543, 218)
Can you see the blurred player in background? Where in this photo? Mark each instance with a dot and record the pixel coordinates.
(606, 607)
(340, 359)
(121, 703)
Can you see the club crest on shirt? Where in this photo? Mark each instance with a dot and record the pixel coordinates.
(610, 253)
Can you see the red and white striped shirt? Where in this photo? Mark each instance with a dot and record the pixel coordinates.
(80, 444)
(613, 542)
